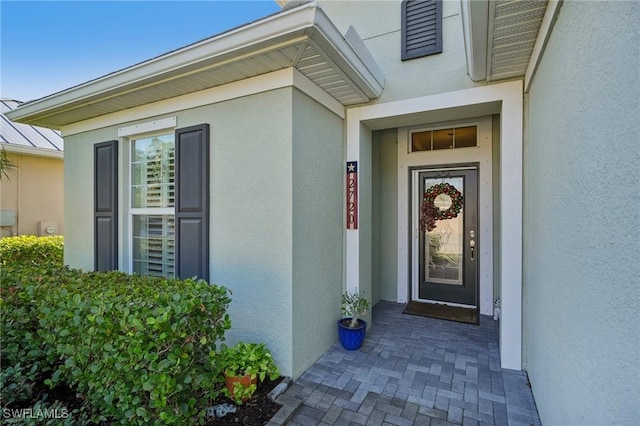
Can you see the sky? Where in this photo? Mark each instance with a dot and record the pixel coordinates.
(49, 46)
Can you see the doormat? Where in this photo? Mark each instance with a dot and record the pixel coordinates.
(445, 312)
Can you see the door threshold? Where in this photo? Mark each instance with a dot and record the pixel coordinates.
(440, 302)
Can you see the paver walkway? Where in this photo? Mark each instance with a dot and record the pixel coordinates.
(412, 371)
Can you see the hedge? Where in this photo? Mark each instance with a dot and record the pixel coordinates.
(32, 250)
(136, 350)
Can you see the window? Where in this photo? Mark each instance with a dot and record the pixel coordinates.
(421, 28)
(153, 205)
(447, 138)
(168, 192)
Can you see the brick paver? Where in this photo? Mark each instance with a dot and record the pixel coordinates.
(412, 371)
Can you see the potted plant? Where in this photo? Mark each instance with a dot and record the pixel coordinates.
(243, 365)
(351, 328)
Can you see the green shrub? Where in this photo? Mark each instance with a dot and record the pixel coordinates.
(252, 359)
(135, 349)
(32, 250)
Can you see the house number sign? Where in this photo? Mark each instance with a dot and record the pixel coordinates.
(352, 195)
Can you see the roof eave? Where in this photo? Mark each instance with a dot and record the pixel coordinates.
(307, 20)
(475, 26)
(33, 151)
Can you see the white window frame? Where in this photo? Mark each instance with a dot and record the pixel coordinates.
(128, 135)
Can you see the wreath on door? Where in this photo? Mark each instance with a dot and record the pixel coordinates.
(430, 213)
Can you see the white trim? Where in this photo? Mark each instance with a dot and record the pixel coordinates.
(152, 211)
(352, 249)
(150, 126)
(553, 7)
(262, 83)
(350, 57)
(160, 127)
(231, 42)
(308, 87)
(509, 97)
(306, 23)
(33, 151)
(511, 134)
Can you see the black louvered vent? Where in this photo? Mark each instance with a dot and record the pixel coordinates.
(421, 28)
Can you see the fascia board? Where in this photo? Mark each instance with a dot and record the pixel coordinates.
(346, 57)
(548, 21)
(306, 21)
(290, 23)
(33, 151)
(475, 26)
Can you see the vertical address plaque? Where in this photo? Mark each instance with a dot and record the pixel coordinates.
(352, 195)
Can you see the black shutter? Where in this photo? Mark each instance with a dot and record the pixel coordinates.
(192, 202)
(105, 158)
(421, 28)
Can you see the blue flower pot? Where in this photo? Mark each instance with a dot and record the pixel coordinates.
(351, 338)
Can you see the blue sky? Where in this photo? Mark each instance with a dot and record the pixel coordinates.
(49, 46)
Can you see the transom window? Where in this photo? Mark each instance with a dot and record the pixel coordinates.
(447, 138)
(153, 205)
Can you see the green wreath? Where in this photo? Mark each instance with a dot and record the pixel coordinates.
(430, 213)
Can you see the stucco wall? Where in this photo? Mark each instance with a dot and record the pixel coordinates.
(251, 205)
(34, 190)
(78, 200)
(385, 215)
(378, 24)
(581, 218)
(318, 170)
(365, 219)
(251, 222)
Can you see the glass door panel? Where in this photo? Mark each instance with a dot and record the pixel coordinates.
(443, 244)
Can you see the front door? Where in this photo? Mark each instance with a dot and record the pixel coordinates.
(445, 240)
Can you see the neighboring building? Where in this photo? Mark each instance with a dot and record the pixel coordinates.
(31, 195)
(230, 159)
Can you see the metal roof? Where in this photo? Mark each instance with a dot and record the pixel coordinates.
(18, 137)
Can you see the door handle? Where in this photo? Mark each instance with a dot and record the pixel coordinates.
(472, 245)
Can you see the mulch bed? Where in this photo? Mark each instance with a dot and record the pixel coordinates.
(256, 411)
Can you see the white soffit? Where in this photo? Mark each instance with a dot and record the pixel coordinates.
(515, 28)
(302, 38)
(500, 36)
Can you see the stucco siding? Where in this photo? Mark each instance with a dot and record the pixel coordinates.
(379, 25)
(79, 193)
(34, 190)
(365, 219)
(251, 222)
(385, 215)
(581, 218)
(251, 205)
(318, 170)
